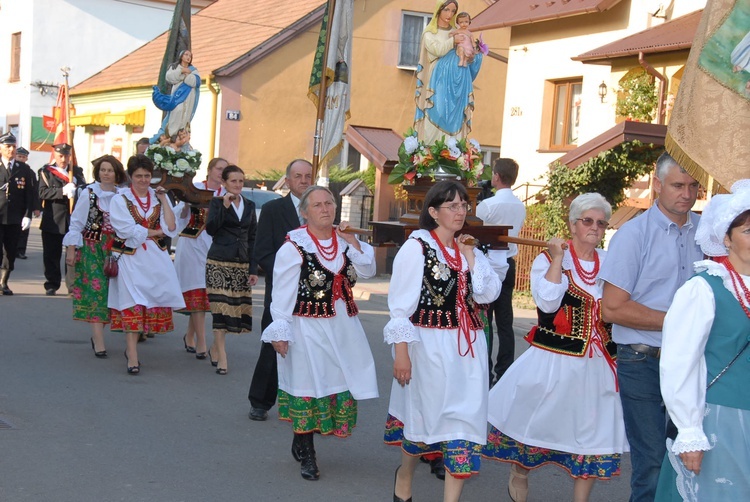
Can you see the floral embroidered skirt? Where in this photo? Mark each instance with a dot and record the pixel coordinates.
(229, 295)
(90, 285)
(196, 300)
(331, 415)
(139, 319)
(462, 458)
(506, 449)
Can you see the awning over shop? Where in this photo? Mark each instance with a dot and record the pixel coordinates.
(90, 119)
(132, 117)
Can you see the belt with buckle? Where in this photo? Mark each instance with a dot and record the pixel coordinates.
(646, 349)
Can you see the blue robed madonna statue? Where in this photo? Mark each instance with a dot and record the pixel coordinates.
(181, 103)
(445, 89)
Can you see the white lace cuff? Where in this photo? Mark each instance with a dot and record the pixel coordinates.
(278, 331)
(400, 330)
(481, 275)
(692, 439)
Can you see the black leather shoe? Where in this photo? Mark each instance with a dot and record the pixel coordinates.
(188, 348)
(101, 353)
(50, 292)
(21, 256)
(309, 465)
(258, 415)
(7, 291)
(438, 468)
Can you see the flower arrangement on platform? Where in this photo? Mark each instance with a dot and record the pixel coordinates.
(448, 157)
(175, 163)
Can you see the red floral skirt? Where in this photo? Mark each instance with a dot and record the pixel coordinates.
(196, 300)
(139, 319)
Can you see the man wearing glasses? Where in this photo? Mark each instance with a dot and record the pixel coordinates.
(648, 259)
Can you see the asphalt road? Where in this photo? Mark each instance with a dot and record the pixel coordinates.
(77, 428)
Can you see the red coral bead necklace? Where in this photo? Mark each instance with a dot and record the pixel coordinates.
(587, 277)
(145, 207)
(327, 252)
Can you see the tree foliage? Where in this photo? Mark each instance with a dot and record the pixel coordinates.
(637, 99)
(609, 173)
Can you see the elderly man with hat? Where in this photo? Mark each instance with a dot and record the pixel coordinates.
(56, 191)
(22, 155)
(16, 205)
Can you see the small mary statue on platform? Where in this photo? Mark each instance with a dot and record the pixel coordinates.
(181, 103)
(445, 90)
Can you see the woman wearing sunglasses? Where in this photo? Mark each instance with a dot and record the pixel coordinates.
(558, 403)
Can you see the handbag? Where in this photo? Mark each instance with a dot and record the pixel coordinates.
(671, 427)
(111, 268)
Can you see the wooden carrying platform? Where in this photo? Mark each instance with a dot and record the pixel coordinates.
(183, 188)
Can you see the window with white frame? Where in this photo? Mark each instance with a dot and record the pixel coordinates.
(491, 153)
(412, 26)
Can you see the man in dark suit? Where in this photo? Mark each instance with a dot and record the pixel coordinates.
(16, 206)
(277, 218)
(22, 155)
(56, 192)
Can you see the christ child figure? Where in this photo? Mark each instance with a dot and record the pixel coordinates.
(464, 40)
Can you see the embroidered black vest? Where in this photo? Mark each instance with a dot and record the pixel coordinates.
(568, 330)
(319, 287)
(97, 223)
(152, 222)
(438, 298)
(197, 223)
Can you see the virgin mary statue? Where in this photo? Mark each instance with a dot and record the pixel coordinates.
(445, 90)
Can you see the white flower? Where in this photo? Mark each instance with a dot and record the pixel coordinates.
(171, 149)
(182, 165)
(475, 144)
(177, 174)
(454, 151)
(461, 161)
(191, 153)
(158, 158)
(167, 165)
(411, 144)
(451, 143)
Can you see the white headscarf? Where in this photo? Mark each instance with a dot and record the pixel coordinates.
(718, 215)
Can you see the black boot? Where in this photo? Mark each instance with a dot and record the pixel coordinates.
(4, 274)
(309, 466)
(297, 447)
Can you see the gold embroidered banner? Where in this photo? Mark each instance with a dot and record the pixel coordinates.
(709, 129)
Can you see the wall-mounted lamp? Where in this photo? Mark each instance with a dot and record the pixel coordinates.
(602, 91)
(44, 87)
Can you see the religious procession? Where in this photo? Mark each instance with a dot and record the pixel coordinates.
(461, 153)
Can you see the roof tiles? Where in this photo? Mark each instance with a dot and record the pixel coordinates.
(515, 12)
(221, 33)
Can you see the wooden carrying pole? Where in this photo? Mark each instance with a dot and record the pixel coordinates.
(318, 138)
(502, 238)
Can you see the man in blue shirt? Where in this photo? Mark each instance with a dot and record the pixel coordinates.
(648, 259)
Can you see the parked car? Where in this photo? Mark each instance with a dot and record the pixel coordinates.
(259, 196)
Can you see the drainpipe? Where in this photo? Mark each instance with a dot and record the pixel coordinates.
(660, 108)
(214, 106)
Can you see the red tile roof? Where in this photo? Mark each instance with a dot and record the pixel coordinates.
(221, 34)
(673, 35)
(514, 12)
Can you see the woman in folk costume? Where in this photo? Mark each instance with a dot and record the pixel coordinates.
(558, 403)
(445, 90)
(704, 365)
(324, 360)
(231, 269)
(190, 261)
(438, 399)
(88, 242)
(146, 288)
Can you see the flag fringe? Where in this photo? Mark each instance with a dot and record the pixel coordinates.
(691, 167)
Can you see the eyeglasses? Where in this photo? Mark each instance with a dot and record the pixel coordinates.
(587, 222)
(457, 207)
